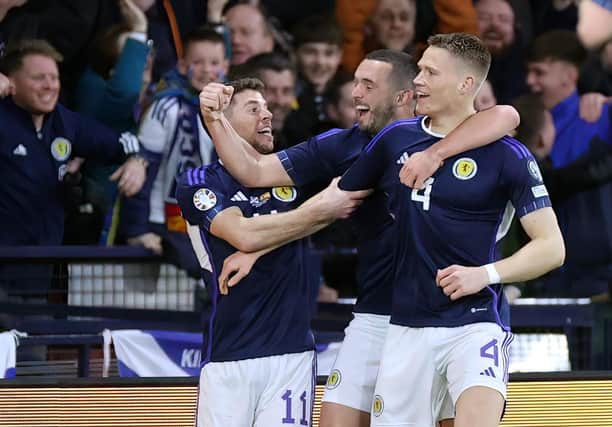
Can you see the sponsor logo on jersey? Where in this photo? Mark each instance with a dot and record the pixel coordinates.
(534, 170)
(465, 168)
(284, 194)
(403, 158)
(378, 405)
(61, 149)
(204, 199)
(539, 191)
(20, 150)
(333, 380)
(258, 201)
(239, 197)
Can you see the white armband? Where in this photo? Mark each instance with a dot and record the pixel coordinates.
(493, 274)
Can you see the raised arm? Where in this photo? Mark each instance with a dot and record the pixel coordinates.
(249, 167)
(480, 129)
(544, 252)
(265, 231)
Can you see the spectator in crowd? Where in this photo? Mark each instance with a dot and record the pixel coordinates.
(537, 132)
(318, 44)
(279, 77)
(498, 29)
(553, 68)
(339, 101)
(173, 133)
(109, 91)
(485, 98)
(39, 137)
(439, 16)
(250, 32)
(595, 22)
(391, 26)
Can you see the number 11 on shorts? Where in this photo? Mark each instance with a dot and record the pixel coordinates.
(288, 419)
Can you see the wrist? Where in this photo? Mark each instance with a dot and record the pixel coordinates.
(437, 154)
(139, 159)
(492, 274)
(212, 116)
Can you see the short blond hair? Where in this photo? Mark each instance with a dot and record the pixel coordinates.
(468, 48)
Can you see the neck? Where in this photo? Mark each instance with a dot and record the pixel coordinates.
(38, 119)
(443, 123)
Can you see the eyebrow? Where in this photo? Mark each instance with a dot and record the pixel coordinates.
(255, 102)
(365, 79)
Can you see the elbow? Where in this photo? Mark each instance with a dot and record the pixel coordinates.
(246, 243)
(557, 256)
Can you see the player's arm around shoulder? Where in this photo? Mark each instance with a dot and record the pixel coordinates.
(480, 129)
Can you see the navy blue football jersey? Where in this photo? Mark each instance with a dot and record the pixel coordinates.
(314, 163)
(33, 165)
(459, 218)
(269, 312)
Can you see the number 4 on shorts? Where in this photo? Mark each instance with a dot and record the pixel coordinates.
(490, 351)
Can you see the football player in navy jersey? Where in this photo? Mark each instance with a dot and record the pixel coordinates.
(258, 363)
(449, 332)
(382, 93)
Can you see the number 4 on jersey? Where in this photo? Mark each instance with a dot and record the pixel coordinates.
(424, 197)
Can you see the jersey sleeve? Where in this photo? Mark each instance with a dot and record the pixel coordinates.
(314, 160)
(524, 181)
(101, 144)
(202, 195)
(369, 167)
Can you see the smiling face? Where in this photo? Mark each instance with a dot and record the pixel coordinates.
(318, 62)
(437, 83)
(37, 84)
(249, 115)
(373, 95)
(203, 62)
(496, 24)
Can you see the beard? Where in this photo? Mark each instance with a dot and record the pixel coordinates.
(381, 115)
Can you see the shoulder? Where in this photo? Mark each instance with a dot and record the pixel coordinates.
(332, 135)
(398, 128)
(213, 176)
(512, 148)
(163, 108)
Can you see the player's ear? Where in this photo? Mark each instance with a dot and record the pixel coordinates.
(404, 97)
(467, 85)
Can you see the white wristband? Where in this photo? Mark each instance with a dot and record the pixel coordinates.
(493, 274)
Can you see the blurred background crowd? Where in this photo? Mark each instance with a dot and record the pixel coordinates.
(137, 66)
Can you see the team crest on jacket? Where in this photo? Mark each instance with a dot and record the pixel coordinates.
(284, 194)
(465, 168)
(534, 170)
(204, 199)
(333, 380)
(61, 149)
(378, 405)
